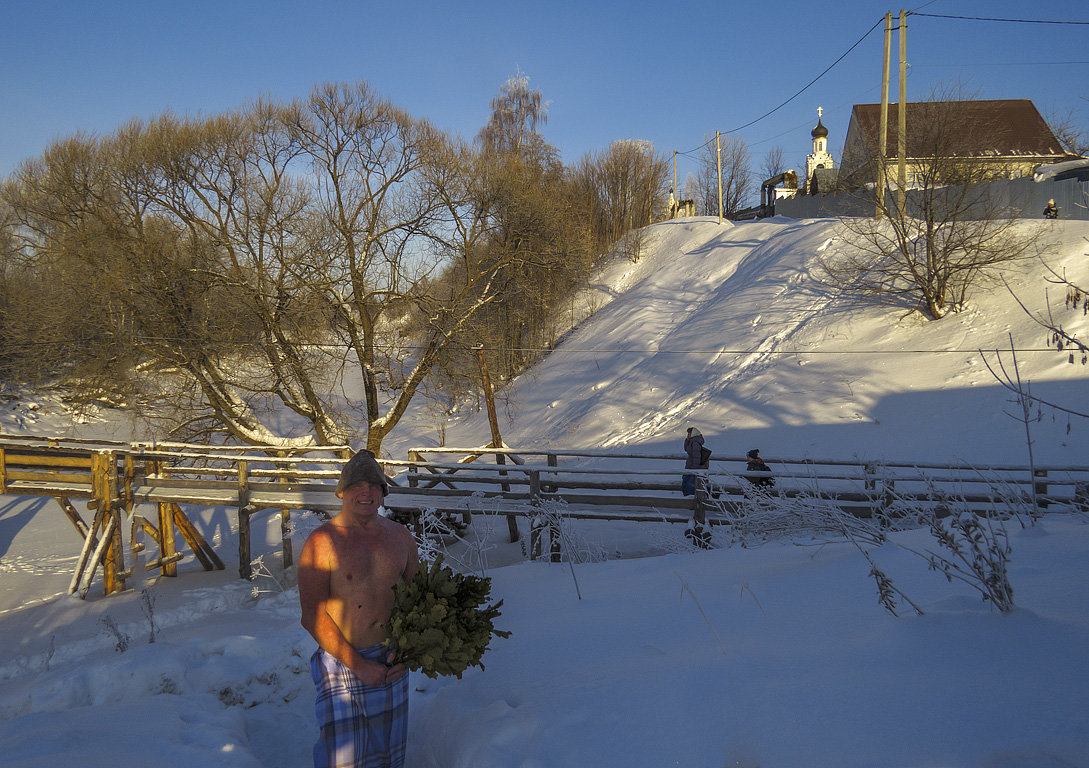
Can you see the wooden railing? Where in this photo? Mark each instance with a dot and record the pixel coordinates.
(604, 479)
(116, 479)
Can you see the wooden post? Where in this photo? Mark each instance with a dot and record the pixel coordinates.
(1039, 488)
(167, 543)
(413, 471)
(675, 191)
(534, 485)
(117, 549)
(244, 569)
(100, 554)
(104, 491)
(699, 513)
(883, 137)
(3, 473)
(288, 557)
(552, 462)
(901, 139)
(718, 162)
(90, 543)
(878, 502)
(207, 556)
(73, 515)
(130, 475)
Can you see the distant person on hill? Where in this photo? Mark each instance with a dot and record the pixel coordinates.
(1052, 210)
(696, 457)
(756, 464)
(672, 204)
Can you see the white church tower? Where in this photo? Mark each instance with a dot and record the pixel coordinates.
(819, 157)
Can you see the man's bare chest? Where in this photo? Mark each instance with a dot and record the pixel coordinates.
(366, 565)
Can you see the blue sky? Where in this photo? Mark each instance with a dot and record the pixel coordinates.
(672, 73)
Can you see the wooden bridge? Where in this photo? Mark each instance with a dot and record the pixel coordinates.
(120, 481)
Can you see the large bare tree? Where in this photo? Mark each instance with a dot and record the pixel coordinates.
(252, 262)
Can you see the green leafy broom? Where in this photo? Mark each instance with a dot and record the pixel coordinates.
(441, 623)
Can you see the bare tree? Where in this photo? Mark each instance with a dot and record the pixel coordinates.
(736, 176)
(773, 164)
(952, 233)
(1076, 301)
(623, 189)
(242, 271)
(247, 262)
(1072, 135)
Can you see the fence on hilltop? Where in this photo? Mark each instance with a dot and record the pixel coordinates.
(1024, 197)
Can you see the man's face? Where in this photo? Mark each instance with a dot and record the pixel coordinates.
(362, 498)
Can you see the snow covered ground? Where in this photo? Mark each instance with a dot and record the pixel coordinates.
(772, 656)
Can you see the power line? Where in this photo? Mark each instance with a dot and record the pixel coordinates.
(1003, 64)
(811, 82)
(808, 85)
(798, 93)
(988, 18)
(23, 346)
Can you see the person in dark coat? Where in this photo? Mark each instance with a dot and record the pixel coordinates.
(693, 449)
(756, 464)
(1052, 210)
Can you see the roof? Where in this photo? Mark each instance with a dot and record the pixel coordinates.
(999, 127)
(1069, 169)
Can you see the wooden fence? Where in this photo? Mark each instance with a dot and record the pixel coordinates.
(118, 480)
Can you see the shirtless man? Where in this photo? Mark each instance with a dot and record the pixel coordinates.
(347, 571)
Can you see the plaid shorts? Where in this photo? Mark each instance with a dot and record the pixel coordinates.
(359, 726)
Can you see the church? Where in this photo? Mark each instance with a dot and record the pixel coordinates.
(820, 169)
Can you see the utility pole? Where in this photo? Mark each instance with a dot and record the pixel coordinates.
(901, 139)
(882, 179)
(718, 154)
(675, 191)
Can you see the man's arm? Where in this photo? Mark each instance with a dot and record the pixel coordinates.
(315, 571)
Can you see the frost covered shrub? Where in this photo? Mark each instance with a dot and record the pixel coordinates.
(970, 547)
(976, 552)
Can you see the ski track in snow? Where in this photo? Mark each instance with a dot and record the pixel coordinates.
(745, 366)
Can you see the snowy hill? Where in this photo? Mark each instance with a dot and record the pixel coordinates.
(776, 656)
(727, 327)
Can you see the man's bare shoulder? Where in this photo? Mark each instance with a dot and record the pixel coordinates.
(320, 541)
(394, 527)
(322, 533)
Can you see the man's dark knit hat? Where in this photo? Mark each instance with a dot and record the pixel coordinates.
(362, 468)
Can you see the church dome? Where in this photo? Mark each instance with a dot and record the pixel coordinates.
(820, 132)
